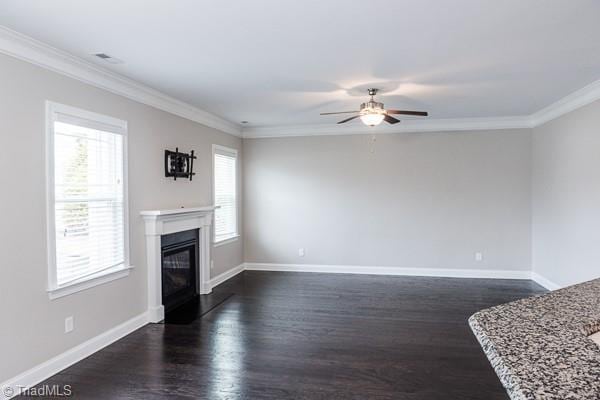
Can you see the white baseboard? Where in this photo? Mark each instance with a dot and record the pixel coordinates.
(374, 270)
(217, 280)
(542, 281)
(156, 314)
(53, 366)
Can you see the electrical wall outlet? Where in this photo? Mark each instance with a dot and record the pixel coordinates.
(478, 256)
(69, 324)
(301, 251)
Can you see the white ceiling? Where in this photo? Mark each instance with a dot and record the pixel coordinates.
(275, 62)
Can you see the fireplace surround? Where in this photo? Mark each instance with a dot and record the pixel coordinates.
(159, 226)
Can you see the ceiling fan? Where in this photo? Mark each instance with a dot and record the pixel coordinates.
(372, 112)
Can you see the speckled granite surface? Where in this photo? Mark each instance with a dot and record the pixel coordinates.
(539, 346)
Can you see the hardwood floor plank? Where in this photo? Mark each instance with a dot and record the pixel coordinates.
(307, 336)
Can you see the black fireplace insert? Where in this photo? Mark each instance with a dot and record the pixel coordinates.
(179, 268)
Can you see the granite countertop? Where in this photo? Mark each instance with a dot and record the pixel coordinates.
(539, 346)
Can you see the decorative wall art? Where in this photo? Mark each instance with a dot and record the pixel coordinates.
(179, 165)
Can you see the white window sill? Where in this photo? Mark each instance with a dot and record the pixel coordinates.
(227, 240)
(89, 282)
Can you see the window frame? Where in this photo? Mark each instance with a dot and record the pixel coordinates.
(120, 127)
(216, 149)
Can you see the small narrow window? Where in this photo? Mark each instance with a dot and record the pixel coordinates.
(87, 207)
(225, 193)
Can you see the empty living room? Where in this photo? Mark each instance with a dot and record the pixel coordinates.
(300, 200)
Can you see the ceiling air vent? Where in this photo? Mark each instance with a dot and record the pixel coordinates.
(108, 59)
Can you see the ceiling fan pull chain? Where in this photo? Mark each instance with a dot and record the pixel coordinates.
(373, 140)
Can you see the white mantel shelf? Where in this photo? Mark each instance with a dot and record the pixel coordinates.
(182, 210)
(164, 222)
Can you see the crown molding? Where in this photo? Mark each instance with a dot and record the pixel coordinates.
(580, 98)
(571, 102)
(406, 126)
(35, 52)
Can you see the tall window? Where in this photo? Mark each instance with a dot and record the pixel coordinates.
(86, 194)
(225, 192)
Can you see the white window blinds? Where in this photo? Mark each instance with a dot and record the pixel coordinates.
(225, 192)
(88, 196)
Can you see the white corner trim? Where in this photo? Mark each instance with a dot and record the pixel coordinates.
(53, 366)
(406, 126)
(35, 52)
(399, 271)
(217, 280)
(545, 282)
(571, 102)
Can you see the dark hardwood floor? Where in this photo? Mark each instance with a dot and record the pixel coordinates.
(310, 336)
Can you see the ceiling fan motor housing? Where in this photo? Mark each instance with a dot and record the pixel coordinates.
(372, 112)
(372, 107)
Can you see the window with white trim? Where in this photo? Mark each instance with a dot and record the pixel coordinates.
(87, 202)
(225, 193)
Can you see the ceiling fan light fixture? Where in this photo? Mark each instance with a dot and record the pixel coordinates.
(372, 119)
(372, 113)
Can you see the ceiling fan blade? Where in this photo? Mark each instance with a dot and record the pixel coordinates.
(421, 113)
(391, 120)
(348, 119)
(340, 112)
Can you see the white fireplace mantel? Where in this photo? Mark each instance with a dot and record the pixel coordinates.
(164, 222)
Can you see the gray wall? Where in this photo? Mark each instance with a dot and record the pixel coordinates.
(427, 200)
(566, 197)
(32, 327)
